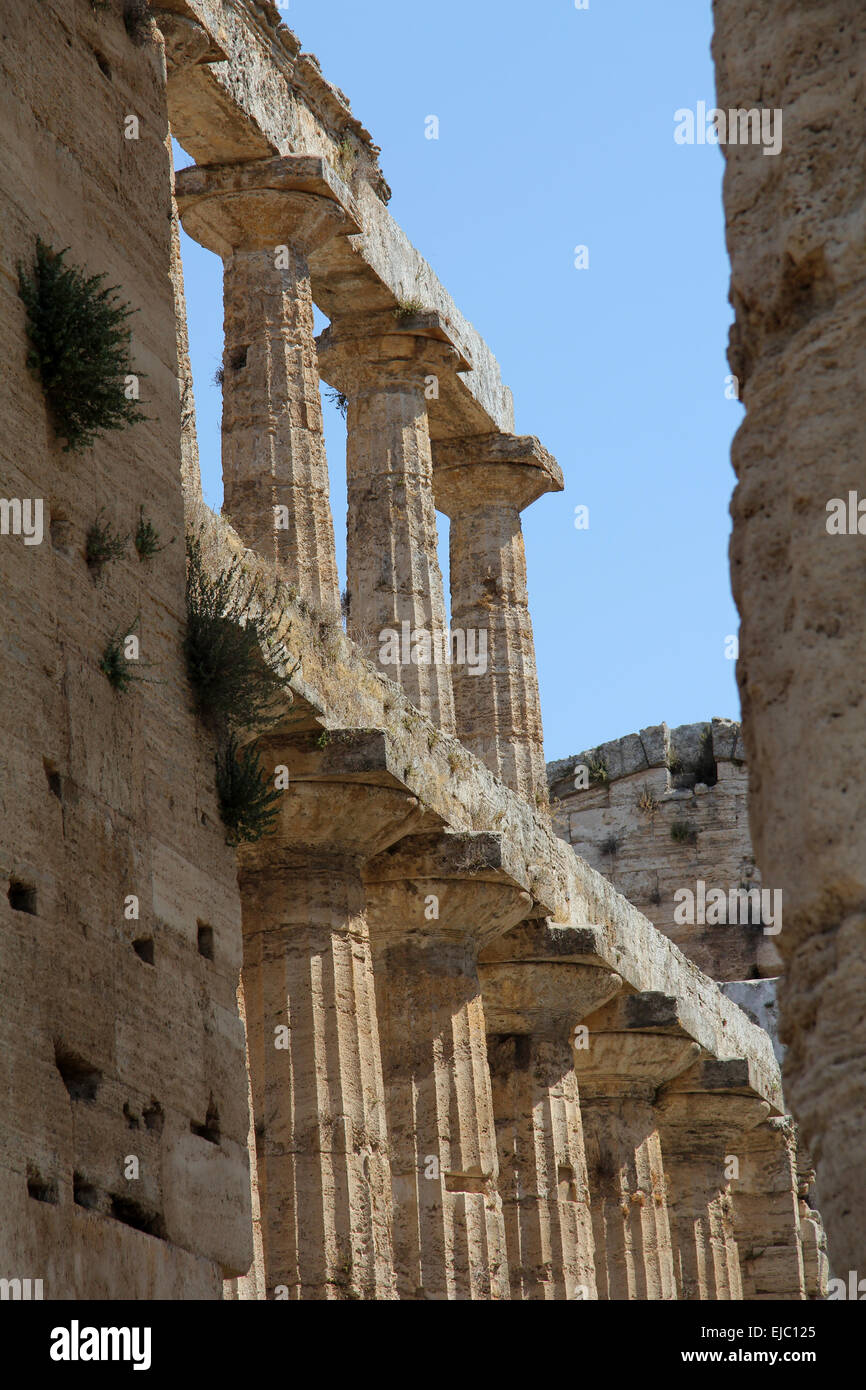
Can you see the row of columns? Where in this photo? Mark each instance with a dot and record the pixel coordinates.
(265, 218)
(425, 1123)
(451, 1102)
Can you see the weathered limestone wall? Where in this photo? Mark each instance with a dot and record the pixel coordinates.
(120, 1037)
(798, 346)
(663, 810)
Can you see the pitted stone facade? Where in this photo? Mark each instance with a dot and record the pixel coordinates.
(661, 812)
(408, 1045)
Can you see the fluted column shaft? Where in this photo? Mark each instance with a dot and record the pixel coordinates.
(264, 218)
(767, 1213)
(449, 1236)
(542, 1164)
(700, 1133)
(536, 990)
(315, 1064)
(396, 597)
(275, 471)
(483, 485)
(619, 1074)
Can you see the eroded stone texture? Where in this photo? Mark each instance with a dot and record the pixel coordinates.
(660, 812)
(398, 854)
(798, 287)
(483, 484)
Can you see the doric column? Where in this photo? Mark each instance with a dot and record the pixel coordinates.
(388, 368)
(318, 1100)
(619, 1072)
(483, 483)
(536, 989)
(767, 1206)
(433, 901)
(705, 1127)
(765, 1188)
(264, 218)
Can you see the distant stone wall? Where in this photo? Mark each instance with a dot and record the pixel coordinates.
(666, 810)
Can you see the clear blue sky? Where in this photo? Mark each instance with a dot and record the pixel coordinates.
(556, 130)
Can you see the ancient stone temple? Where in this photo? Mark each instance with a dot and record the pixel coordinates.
(406, 1044)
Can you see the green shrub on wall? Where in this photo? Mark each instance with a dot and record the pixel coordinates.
(79, 348)
(248, 800)
(239, 668)
(234, 659)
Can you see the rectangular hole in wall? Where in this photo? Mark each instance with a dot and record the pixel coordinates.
(84, 1193)
(79, 1077)
(22, 896)
(41, 1189)
(133, 1214)
(205, 940)
(153, 1116)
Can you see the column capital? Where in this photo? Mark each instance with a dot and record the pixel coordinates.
(636, 1044)
(479, 888)
(365, 350)
(539, 983)
(262, 203)
(489, 469)
(343, 797)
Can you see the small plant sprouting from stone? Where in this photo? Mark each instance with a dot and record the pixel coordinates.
(610, 846)
(146, 537)
(338, 399)
(79, 348)
(455, 762)
(237, 665)
(407, 309)
(683, 834)
(346, 158)
(118, 668)
(239, 668)
(674, 763)
(648, 802)
(219, 376)
(598, 773)
(248, 800)
(103, 544)
(324, 739)
(432, 739)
